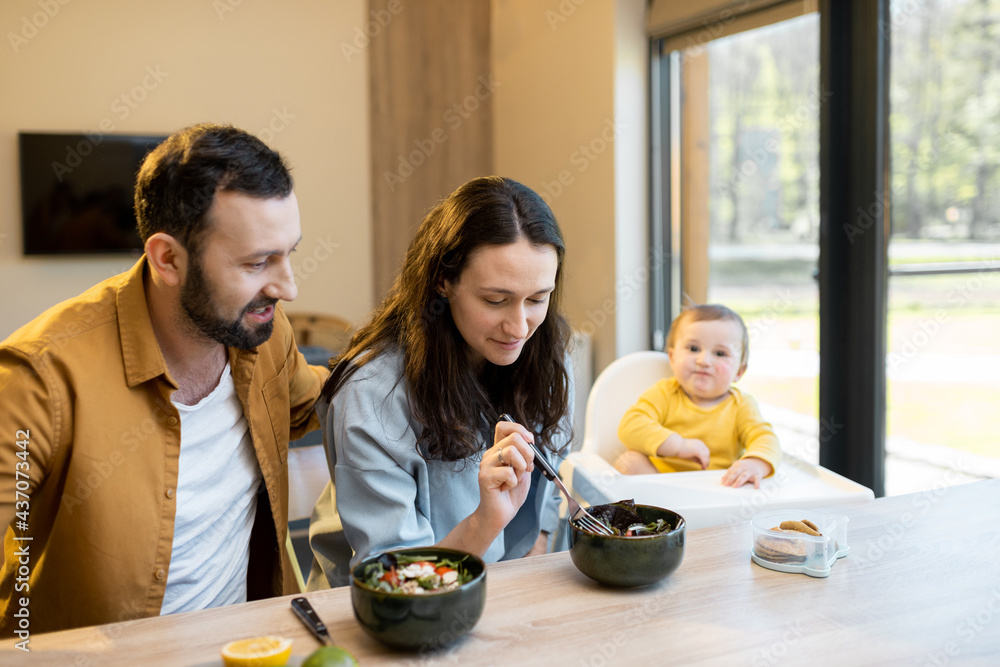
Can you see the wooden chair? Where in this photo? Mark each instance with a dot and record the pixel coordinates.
(317, 330)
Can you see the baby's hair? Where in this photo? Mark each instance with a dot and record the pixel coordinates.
(708, 312)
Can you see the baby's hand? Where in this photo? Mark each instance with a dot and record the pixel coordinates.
(745, 471)
(695, 450)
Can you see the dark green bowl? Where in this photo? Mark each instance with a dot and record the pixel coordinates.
(420, 621)
(630, 561)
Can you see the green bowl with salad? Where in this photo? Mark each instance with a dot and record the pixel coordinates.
(419, 598)
(648, 544)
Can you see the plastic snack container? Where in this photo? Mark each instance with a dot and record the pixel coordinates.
(791, 551)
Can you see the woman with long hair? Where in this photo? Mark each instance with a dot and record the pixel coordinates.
(471, 329)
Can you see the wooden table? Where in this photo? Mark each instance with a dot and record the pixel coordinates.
(920, 587)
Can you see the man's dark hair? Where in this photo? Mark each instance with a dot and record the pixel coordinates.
(179, 178)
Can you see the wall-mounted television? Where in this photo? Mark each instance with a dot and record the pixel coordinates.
(76, 192)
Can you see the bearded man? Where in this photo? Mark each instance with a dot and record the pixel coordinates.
(145, 424)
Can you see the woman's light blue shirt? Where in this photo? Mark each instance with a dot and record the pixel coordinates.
(387, 495)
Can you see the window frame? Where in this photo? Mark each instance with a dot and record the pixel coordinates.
(853, 271)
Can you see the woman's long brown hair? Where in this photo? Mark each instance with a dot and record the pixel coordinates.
(455, 401)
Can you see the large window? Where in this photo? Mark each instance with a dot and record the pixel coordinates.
(747, 106)
(763, 212)
(740, 109)
(943, 361)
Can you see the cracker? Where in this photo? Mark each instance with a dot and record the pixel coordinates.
(780, 550)
(801, 526)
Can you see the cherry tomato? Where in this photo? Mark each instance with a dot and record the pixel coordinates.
(391, 578)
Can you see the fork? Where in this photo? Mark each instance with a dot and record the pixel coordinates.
(576, 512)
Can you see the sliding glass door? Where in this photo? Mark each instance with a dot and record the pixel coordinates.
(748, 110)
(738, 109)
(943, 361)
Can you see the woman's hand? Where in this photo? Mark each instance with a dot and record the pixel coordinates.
(505, 474)
(504, 481)
(746, 471)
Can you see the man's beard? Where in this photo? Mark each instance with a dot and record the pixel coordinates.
(198, 303)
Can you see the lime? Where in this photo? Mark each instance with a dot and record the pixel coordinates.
(330, 656)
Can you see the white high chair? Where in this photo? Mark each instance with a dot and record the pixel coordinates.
(616, 389)
(698, 496)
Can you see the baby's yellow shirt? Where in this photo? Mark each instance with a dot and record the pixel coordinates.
(732, 429)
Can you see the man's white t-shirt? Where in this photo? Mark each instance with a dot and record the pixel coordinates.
(217, 487)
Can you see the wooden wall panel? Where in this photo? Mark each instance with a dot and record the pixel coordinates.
(430, 96)
(695, 218)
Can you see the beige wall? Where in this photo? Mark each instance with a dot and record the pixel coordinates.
(260, 65)
(569, 121)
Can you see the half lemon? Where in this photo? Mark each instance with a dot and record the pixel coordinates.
(257, 652)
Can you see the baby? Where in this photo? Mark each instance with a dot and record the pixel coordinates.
(696, 419)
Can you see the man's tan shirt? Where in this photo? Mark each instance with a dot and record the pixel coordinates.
(86, 387)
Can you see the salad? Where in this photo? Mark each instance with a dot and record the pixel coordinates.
(623, 521)
(415, 575)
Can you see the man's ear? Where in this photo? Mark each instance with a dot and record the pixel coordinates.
(167, 257)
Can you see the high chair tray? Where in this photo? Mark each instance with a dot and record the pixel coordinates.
(700, 496)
